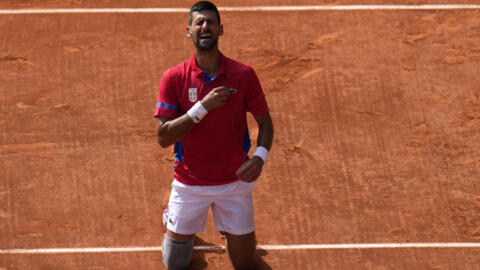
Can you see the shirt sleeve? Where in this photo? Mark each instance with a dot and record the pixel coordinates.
(256, 102)
(167, 101)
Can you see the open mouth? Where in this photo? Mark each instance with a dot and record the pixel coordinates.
(205, 36)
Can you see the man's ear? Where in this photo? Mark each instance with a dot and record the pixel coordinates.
(189, 33)
(220, 33)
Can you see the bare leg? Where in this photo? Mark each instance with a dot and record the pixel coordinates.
(180, 236)
(241, 249)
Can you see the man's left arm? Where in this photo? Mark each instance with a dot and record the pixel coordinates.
(252, 168)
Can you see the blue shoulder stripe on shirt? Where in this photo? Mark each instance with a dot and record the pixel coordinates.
(168, 106)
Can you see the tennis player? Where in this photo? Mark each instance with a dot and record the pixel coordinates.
(202, 110)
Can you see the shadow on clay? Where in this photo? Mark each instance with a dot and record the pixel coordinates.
(198, 260)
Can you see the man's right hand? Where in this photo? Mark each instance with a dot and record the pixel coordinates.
(216, 98)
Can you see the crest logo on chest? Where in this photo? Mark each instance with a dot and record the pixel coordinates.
(192, 94)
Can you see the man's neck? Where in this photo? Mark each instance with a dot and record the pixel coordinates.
(208, 61)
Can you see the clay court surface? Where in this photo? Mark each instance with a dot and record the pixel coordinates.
(377, 120)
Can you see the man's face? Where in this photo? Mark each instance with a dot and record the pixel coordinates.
(205, 29)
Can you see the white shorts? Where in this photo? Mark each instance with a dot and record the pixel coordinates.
(232, 208)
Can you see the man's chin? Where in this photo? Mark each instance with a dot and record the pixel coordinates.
(203, 49)
(205, 46)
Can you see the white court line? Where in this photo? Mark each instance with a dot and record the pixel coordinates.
(265, 247)
(258, 8)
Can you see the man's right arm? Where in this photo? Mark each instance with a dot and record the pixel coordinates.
(169, 131)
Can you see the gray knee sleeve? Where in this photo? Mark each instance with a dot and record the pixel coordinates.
(176, 253)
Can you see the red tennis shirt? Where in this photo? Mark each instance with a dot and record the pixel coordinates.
(218, 145)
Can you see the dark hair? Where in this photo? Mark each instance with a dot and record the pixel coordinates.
(203, 5)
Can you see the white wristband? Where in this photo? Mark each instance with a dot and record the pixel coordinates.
(261, 152)
(197, 112)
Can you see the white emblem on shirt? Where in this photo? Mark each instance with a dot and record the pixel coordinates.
(192, 94)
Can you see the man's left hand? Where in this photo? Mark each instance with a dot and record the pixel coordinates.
(251, 169)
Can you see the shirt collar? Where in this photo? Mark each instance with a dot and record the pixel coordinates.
(197, 71)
